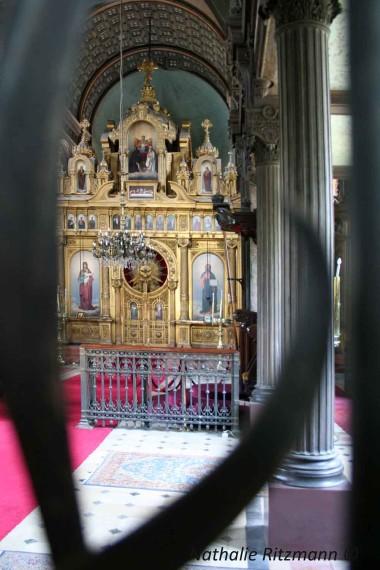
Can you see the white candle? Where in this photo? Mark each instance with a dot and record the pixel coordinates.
(221, 308)
(212, 309)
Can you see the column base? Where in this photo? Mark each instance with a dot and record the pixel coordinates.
(85, 424)
(313, 471)
(261, 394)
(309, 520)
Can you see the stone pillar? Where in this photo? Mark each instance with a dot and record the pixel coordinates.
(306, 185)
(269, 285)
(105, 292)
(184, 243)
(116, 284)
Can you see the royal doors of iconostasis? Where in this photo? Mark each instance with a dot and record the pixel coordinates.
(134, 306)
(148, 301)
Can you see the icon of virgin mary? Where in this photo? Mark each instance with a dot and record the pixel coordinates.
(86, 279)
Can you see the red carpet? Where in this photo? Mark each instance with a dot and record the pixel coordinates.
(16, 499)
(343, 412)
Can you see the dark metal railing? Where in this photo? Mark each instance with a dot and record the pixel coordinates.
(143, 387)
(364, 340)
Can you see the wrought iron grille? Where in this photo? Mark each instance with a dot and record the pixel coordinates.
(39, 43)
(185, 389)
(36, 60)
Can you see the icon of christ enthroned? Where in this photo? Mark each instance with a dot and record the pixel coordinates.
(143, 159)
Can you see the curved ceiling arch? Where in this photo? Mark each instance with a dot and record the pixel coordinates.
(182, 38)
(166, 58)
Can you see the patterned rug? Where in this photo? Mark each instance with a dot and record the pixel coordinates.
(156, 472)
(25, 561)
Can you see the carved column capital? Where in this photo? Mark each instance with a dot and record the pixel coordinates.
(264, 122)
(285, 13)
(231, 243)
(172, 285)
(117, 283)
(261, 87)
(184, 242)
(266, 152)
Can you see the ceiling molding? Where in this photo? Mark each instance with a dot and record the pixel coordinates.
(200, 8)
(178, 30)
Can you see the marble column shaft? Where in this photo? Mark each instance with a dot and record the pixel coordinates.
(306, 179)
(269, 283)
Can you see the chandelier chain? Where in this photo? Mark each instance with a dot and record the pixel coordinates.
(122, 248)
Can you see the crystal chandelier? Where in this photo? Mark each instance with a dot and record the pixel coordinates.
(122, 248)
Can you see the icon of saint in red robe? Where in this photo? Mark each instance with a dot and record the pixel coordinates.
(86, 279)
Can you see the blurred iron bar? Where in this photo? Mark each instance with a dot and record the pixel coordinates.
(365, 279)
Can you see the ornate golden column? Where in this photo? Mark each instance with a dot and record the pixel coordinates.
(184, 244)
(105, 292)
(61, 305)
(116, 284)
(105, 326)
(145, 314)
(61, 242)
(162, 167)
(172, 286)
(231, 247)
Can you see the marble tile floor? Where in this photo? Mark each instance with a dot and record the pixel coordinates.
(119, 501)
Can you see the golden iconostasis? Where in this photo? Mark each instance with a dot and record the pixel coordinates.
(179, 296)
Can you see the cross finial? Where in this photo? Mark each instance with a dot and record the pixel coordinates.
(148, 93)
(207, 147)
(207, 125)
(85, 124)
(147, 67)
